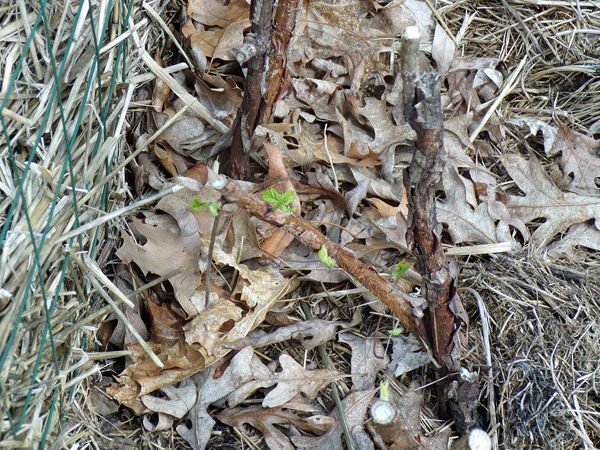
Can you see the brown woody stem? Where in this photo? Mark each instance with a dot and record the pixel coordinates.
(390, 294)
(424, 235)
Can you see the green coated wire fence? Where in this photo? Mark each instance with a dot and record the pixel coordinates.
(63, 101)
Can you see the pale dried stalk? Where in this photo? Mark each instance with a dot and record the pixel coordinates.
(408, 64)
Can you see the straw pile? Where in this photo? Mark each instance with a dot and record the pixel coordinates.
(62, 114)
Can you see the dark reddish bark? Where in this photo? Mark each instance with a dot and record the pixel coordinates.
(424, 235)
(268, 49)
(254, 52)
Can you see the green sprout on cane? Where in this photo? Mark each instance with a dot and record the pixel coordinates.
(325, 258)
(213, 208)
(384, 391)
(400, 270)
(395, 332)
(278, 200)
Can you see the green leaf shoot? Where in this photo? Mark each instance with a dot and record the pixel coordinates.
(396, 331)
(279, 201)
(196, 204)
(213, 208)
(325, 258)
(400, 269)
(384, 391)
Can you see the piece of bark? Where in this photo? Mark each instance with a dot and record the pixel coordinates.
(286, 18)
(265, 50)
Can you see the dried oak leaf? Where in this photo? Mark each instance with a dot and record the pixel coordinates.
(241, 369)
(466, 223)
(309, 332)
(407, 355)
(355, 407)
(543, 200)
(178, 401)
(260, 289)
(227, 21)
(185, 134)
(266, 421)
(579, 235)
(294, 379)
(163, 252)
(291, 381)
(368, 359)
(578, 154)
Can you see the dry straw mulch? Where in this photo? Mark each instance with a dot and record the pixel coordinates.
(63, 108)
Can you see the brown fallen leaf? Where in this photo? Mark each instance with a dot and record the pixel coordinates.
(465, 223)
(387, 210)
(292, 380)
(368, 359)
(166, 325)
(222, 97)
(266, 419)
(162, 252)
(178, 401)
(442, 49)
(578, 155)
(579, 235)
(310, 333)
(311, 149)
(259, 290)
(186, 134)
(241, 369)
(226, 21)
(543, 200)
(355, 407)
(407, 355)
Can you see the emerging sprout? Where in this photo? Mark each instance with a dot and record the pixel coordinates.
(325, 258)
(396, 332)
(400, 269)
(213, 208)
(279, 201)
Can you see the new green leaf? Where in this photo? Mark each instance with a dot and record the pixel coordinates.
(277, 200)
(325, 258)
(400, 269)
(396, 332)
(213, 208)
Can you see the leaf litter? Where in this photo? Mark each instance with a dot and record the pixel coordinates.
(347, 178)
